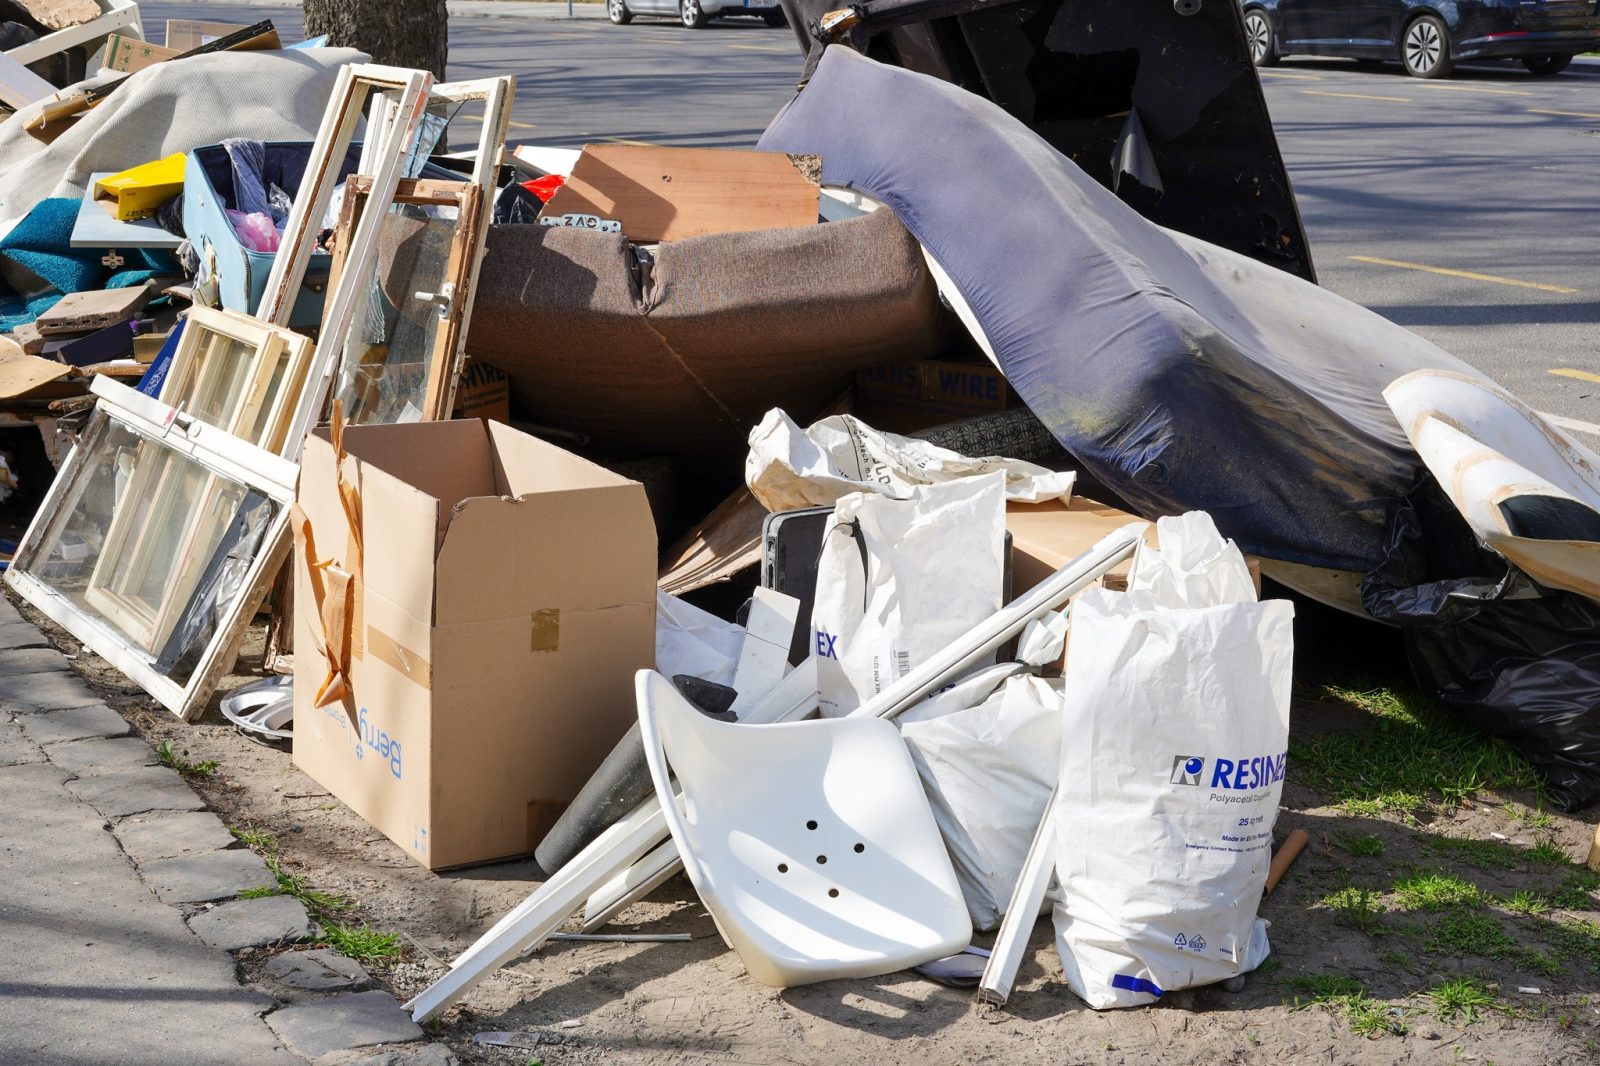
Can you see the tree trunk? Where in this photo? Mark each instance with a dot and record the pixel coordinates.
(398, 33)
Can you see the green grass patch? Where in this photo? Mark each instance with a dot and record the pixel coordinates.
(1348, 998)
(1573, 938)
(262, 892)
(256, 838)
(1526, 902)
(362, 943)
(179, 761)
(1436, 892)
(359, 942)
(1463, 998)
(1550, 853)
(1465, 932)
(1410, 754)
(1483, 854)
(1365, 847)
(1576, 891)
(1533, 819)
(1359, 908)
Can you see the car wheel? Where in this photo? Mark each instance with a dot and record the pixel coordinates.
(774, 18)
(618, 13)
(690, 14)
(1544, 66)
(1425, 48)
(1259, 37)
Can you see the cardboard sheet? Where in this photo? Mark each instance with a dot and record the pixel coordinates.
(22, 374)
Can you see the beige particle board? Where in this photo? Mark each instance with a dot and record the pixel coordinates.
(79, 312)
(665, 194)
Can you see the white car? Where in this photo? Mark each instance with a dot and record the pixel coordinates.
(694, 13)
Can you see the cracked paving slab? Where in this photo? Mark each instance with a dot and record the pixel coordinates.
(96, 969)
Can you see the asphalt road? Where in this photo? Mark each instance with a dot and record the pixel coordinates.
(1467, 210)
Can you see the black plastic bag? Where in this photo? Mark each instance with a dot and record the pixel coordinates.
(1517, 659)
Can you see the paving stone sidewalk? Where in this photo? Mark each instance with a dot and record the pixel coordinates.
(119, 910)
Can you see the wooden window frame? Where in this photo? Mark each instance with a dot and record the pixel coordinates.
(223, 456)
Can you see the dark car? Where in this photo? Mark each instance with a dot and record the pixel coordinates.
(1427, 36)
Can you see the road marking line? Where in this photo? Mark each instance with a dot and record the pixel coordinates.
(1461, 274)
(1571, 424)
(1358, 96)
(514, 124)
(1286, 74)
(1565, 114)
(1472, 89)
(624, 140)
(1581, 375)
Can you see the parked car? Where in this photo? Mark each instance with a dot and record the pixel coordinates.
(693, 13)
(1427, 36)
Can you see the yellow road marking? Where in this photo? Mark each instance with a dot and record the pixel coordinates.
(624, 140)
(1567, 114)
(1581, 375)
(1461, 274)
(1286, 74)
(514, 124)
(1358, 96)
(1471, 89)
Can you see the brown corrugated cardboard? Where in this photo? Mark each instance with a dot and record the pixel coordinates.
(483, 392)
(909, 395)
(504, 598)
(1047, 536)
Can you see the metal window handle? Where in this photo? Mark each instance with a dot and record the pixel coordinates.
(445, 298)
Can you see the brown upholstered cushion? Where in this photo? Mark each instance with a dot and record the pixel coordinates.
(686, 360)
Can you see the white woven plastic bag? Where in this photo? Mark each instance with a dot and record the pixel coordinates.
(1177, 721)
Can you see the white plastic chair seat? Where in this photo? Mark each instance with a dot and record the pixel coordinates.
(811, 843)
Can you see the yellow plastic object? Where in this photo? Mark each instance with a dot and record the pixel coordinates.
(139, 191)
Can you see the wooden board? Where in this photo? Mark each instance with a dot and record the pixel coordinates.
(80, 311)
(666, 194)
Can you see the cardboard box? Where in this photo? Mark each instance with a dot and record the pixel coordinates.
(130, 54)
(910, 395)
(504, 599)
(483, 392)
(1047, 536)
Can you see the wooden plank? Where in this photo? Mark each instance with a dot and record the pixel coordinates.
(665, 194)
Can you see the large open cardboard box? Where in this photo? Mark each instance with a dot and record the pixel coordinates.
(504, 596)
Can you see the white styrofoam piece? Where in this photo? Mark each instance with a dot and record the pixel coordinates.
(764, 655)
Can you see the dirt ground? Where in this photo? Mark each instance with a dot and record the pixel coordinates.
(1332, 970)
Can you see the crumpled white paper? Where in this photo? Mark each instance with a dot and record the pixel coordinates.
(691, 641)
(1194, 566)
(789, 467)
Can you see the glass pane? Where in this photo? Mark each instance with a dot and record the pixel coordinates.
(153, 543)
(222, 379)
(383, 372)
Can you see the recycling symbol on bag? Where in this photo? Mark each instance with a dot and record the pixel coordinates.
(1197, 944)
(1180, 940)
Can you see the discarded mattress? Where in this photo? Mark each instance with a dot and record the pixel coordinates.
(1179, 374)
(683, 351)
